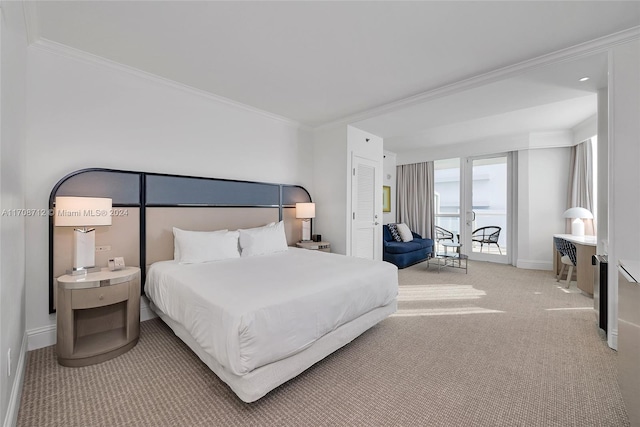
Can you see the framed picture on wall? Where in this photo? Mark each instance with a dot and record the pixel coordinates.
(386, 198)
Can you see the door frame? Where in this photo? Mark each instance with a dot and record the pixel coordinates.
(466, 208)
(377, 226)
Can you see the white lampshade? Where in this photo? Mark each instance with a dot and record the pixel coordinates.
(305, 210)
(577, 213)
(577, 226)
(82, 211)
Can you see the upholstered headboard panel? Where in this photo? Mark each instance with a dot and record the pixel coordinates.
(155, 203)
(160, 223)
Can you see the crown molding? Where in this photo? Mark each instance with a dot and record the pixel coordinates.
(598, 45)
(559, 138)
(89, 58)
(30, 11)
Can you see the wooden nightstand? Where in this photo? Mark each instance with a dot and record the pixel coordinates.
(98, 316)
(315, 246)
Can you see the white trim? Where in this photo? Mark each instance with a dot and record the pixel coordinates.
(30, 12)
(612, 339)
(612, 273)
(146, 313)
(532, 264)
(80, 55)
(598, 45)
(43, 336)
(11, 417)
(486, 146)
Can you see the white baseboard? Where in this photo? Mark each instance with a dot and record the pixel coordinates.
(46, 335)
(531, 264)
(145, 310)
(11, 417)
(612, 339)
(41, 337)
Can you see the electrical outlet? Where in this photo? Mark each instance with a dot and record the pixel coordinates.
(103, 248)
(9, 363)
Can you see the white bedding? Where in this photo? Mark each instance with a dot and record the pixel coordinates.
(249, 312)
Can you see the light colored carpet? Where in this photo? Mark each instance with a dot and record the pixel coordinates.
(497, 347)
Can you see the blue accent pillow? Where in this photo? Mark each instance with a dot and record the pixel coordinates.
(393, 229)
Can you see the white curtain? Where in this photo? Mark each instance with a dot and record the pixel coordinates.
(415, 192)
(580, 192)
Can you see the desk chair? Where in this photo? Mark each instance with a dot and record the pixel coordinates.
(568, 257)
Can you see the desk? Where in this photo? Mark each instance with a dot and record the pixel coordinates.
(585, 248)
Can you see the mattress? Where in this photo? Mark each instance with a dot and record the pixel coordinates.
(246, 313)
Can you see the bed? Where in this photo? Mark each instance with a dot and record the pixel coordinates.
(258, 321)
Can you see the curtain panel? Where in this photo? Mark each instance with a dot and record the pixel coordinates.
(415, 194)
(580, 193)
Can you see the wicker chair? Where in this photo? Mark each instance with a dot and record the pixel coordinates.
(442, 234)
(487, 235)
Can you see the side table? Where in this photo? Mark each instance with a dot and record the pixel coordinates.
(454, 259)
(98, 316)
(315, 246)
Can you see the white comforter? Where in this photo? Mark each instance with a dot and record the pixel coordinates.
(248, 312)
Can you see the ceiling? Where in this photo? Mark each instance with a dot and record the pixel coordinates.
(319, 62)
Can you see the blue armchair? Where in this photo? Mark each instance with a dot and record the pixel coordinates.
(404, 254)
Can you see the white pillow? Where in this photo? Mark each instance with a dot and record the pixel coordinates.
(405, 233)
(186, 235)
(202, 246)
(263, 240)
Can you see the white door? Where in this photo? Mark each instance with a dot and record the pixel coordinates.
(487, 208)
(366, 208)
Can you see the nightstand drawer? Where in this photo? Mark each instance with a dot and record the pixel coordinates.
(98, 297)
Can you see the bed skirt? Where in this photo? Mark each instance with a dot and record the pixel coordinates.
(260, 381)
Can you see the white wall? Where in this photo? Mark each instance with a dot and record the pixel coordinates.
(13, 60)
(542, 196)
(84, 113)
(330, 164)
(589, 127)
(624, 173)
(389, 178)
(332, 150)
(602, 207)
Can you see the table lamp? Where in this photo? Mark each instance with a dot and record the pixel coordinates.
(577, 226)
(306, 211)
(83, 213)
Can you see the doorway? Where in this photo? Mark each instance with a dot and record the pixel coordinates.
(472, 204)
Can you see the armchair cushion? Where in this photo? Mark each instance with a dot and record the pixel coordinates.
(401, 247)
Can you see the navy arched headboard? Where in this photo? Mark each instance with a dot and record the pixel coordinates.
(143, 190)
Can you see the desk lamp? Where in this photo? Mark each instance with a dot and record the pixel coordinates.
(577, 225)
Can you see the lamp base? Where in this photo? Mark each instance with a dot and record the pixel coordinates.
(306, 230)
(577, 227)
(84, 249)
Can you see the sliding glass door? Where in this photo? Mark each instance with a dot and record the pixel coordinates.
(472, 205)
(487, 208)
(447, 201)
